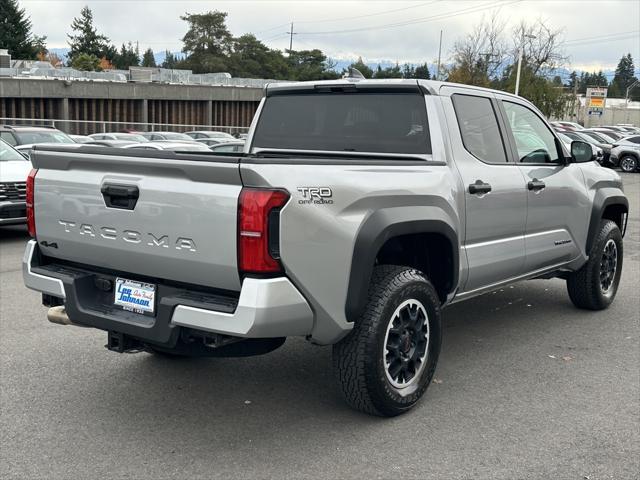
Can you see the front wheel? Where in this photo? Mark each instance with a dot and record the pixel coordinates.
(594, 286)
(628, 163)
(386, 363)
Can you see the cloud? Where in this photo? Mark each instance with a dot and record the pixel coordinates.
(376, 30)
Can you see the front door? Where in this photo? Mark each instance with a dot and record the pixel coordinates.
(495, 191)
(558, 207)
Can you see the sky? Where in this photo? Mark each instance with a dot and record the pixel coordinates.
(597, 32)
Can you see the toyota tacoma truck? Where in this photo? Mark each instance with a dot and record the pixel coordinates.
(358, 210)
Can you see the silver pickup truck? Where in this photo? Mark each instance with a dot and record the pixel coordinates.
(357, 212)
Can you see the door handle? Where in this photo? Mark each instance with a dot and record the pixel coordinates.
(120, 196)
(479, 187)
(536, 185)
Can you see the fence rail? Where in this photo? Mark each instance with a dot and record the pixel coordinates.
(98, 126)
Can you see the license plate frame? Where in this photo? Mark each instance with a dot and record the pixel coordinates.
(135, 296)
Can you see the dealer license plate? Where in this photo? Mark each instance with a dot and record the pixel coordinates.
(135, 296)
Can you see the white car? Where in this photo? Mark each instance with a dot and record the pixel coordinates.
(626, 153)
(170, 146)
(128, 137)
(210, 134)
(14, 170)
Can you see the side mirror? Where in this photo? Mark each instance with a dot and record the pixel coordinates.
(581, 152)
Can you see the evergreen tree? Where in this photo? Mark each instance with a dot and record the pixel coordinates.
(129, 56)
(170, 60)
(87, 40)
(148, 59)
(422, 71)
(86, 62)
(15, 32)
(362, 67)
(623, 78)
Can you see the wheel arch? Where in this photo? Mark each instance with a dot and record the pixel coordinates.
(378, 232)
(610, 204)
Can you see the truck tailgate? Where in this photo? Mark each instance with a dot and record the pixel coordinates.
(181, 226)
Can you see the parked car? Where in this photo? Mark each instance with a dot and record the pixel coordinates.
(630, 128)
(171, 146)
(363, 209)
(22, 135)
(14, 169)
(113, 143)
(626, 153)
(606, 131)
(205, 134)
(129, 137)
(227, 147)
(627, 156)
(81, 138)
(212, 141)
(572, 126)
(173, 136)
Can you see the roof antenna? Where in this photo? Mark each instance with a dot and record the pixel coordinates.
(353, 73)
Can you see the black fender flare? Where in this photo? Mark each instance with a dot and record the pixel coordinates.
(604, 198)
(373, 234)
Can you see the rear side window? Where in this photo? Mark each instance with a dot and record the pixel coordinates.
(479, 128)
(345, 122)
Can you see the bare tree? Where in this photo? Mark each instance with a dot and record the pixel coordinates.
(478, 56)
(542, 45)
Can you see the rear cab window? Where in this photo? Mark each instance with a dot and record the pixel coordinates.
(381, 122)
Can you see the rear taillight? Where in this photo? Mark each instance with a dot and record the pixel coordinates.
(31, 217)
(258, 230)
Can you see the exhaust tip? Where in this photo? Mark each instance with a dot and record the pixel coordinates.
(58, 315)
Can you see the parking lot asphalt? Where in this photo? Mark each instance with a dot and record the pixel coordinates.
(527, 387)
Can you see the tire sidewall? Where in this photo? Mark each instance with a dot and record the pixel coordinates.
(614, 234)
(635, 163)
(424, 293)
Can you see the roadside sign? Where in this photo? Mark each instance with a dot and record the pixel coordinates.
(596, 99)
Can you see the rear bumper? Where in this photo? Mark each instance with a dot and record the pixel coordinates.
(265, 308)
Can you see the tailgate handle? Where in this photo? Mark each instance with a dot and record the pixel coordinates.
(120, 196)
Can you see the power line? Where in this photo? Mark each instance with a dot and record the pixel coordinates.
(369, 14)
(441, 16)
(603, 36)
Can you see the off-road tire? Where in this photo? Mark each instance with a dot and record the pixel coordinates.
(628, 163)
(358, 359)
(584, 285)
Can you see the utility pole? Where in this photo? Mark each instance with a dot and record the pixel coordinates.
(520, 61)
(439, 53)
(291, 34)
(629, 88)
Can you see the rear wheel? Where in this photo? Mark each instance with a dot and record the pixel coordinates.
(386, 363)
(594, 286)
(628, 163)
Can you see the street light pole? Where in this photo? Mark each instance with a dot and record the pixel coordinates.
(520, 61)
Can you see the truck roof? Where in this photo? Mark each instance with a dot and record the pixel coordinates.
(431, 87)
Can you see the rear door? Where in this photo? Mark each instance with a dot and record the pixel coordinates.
(558, 206)
(156, 214)
(495, 190)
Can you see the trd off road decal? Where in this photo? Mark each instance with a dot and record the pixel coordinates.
(315, 195)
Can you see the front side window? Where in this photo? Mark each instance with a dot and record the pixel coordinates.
(634, 139)
(479, 128)
(534, 141)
